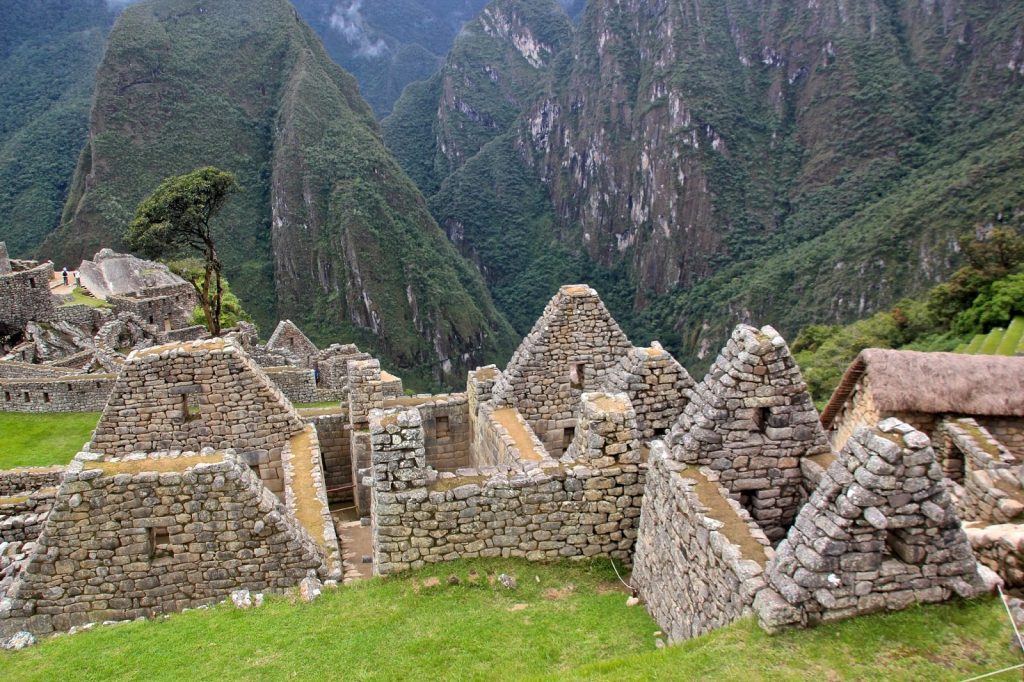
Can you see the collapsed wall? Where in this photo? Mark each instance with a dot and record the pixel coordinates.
(699, 558)
(752, 420)
(879, 533)
(587, 504)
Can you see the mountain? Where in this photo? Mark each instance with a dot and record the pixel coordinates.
(328, 232)
(720, 161)
(387, 44)
(48, 55)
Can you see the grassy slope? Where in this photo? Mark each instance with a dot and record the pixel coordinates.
(398, 629)
(35, 440)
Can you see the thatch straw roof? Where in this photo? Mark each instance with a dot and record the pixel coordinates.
(934, 383)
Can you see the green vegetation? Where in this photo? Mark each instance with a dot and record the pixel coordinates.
(244, 86)
(176, 219)
(564, 621)
(48, 57)
(36, 440)
(80, 298)
(983, 300)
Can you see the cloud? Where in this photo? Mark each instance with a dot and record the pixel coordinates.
(347, 20)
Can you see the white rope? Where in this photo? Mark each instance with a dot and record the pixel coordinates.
(1020, 641)
(1006, 606)
(997, 672)
(616, 569)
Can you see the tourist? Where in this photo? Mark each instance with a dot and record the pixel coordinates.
(64, 275)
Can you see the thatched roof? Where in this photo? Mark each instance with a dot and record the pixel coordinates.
(934, 383)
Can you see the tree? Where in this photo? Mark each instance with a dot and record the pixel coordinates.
(231, 311)
(176, 218)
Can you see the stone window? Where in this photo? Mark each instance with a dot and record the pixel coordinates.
(188, 412)
(441, 429)
(31, 282)
(46, 397)
(159, 544)
(762, 415)
(71, 387)
(576, 373)
(28, 398)
(567, 436)
(7, 396)
(151, 319)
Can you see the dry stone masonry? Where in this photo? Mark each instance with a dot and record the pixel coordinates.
(752, 420)
(202, 480)
(879, 533)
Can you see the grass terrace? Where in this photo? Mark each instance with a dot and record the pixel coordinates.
(565, 621)
(38, 440)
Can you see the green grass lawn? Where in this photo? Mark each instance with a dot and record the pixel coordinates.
(565, 621)
(79, 298)
(36, 440)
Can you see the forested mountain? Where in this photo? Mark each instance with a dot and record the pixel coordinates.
(710, 162)
(329, 231)
(49, 51)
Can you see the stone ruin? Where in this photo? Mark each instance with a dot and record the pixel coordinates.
(200, 479)
(723, 495)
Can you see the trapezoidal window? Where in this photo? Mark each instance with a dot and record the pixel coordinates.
(576, 374)
(7, 396)
(28, 398)
(46, 397)
(567, 436)
(762, 415)
(188, 412)
(31, 282)
(159, 544)
(441, 427)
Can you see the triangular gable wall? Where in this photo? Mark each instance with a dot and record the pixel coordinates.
(570, 350)
(657, 386)
(752, 419)
(288, 337)
(879, 533)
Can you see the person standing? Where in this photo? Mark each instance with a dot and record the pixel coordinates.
(64, 275)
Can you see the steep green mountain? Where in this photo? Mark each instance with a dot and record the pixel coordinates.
(387, 44)
(727, 161)
(49, 50)
(329, 231)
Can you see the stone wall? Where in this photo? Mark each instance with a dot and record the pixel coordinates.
(86, 318)
(296, 383)
(166, 307)
(22, 517)
(25, 295)
(446, 431)
(879, 533)
(699, 558)
(76, 393)
(195, 395)
(1007, 430)
(5, 260)
(13, 369)
(657, 387)
(290, 338)
(1001, 548)
(502, 438)
(752, 420)
(586, 506)
(26, 479)
(991, 488)
(208, 527)
(859, 410)
(572, 348)
(335, 434)
(193, 333)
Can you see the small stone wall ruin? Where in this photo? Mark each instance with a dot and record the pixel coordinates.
(25, 293)
(76, 393)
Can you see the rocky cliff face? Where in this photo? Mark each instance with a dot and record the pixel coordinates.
(764, 162)
(329, 231)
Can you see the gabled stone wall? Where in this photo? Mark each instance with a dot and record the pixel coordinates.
(657, 387)
(879, 533)
(752, 420)
(288, 337)
(572, 348)
(195, 395)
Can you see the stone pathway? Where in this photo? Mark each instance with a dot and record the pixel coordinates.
(356, 541)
